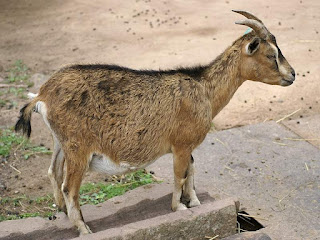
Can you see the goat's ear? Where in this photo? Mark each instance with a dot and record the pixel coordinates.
(253, 46)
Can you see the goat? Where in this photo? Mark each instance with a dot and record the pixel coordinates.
(116, 120)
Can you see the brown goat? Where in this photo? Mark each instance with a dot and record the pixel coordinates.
(115, 120)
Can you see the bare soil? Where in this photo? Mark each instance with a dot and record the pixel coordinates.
(151, 34)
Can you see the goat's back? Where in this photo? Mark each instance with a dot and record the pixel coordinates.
(126, 114)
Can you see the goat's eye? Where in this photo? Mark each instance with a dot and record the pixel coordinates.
(271, 57)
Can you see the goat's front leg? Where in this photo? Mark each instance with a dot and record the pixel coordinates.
(180, 164)
(76, 167)
(189, 189)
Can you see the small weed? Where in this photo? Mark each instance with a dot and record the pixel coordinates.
(18, 92)
(9, 139)
(18, 73)
(3, 102)
(96, 193)
(24, 206)
(44, 199)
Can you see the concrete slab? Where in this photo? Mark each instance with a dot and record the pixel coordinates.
(307, 128)
(275, 179)
(143, 213)
(248, 236)
(213, 218)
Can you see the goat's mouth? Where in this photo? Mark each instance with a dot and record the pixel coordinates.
(285, 82)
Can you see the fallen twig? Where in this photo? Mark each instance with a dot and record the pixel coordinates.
(221, 142)
(15, 169)
(285, 197)
(52, 209)
(303, 139)
(211, 238)
(16, 149)
(307, 166)
(289, 115)
(38, 209)
(307, 41)
(228, 168)
(282, 144)
(2, 85)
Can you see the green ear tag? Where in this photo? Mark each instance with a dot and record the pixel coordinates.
(247, 31)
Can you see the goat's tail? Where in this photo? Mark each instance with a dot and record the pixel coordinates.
(24, 121)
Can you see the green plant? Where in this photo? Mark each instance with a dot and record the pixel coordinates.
(9, 139)
(18, 72)
(3, 102)
(44, 199)
(96, 193)
(19, 92)
(24, 206)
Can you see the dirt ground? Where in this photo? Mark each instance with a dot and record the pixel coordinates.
(153, 34)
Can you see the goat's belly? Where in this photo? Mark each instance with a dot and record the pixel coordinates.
(102, 163)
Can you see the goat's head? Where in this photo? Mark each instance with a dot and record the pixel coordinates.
(261, 58)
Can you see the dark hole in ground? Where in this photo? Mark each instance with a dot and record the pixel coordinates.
(247, 223)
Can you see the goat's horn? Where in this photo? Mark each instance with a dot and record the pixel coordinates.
(247, 15)
(258, 27)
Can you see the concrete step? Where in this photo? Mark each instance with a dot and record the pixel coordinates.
(143, 213)
(248, 236)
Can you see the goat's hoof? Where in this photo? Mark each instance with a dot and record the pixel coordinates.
(194, 203)
(179, 207)
(86, 230)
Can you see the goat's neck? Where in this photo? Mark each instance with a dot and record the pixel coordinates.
(222, 78)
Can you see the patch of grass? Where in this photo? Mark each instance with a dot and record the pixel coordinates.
(3, 102)
(96, 193)
(10, 140)
(24, 206)
(18, 73)
(18, 92)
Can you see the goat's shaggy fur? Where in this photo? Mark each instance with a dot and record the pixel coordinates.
(115, 119)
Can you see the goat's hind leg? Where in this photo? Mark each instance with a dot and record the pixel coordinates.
(189, 188)
(55, 174)
(76, 165)
(180, 165)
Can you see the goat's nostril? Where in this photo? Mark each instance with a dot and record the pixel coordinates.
(293, 73)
